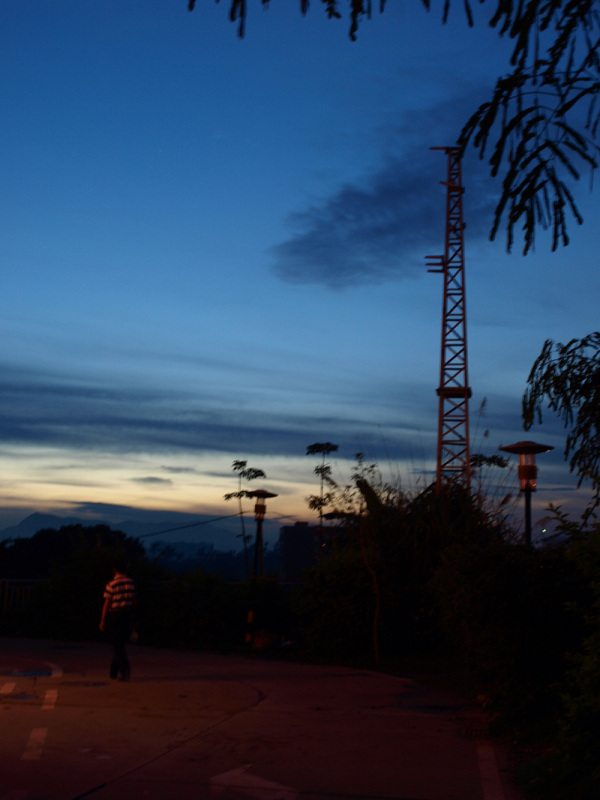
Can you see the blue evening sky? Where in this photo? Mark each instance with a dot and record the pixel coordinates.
(214, 249)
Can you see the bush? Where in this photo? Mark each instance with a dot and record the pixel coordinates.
(334, 608)
(505, 613)
(198, 610)
(573, 769)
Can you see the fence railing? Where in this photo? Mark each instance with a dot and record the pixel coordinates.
(15, 593)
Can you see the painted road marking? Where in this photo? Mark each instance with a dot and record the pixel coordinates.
(50, 699)
(33, 751)
(488, 771)
(7, 688)
(250, 785)
(56, 671)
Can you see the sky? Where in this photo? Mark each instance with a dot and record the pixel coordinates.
(214, 249)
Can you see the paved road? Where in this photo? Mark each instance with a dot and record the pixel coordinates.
(194, 726)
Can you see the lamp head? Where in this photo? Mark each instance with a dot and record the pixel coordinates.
(527, 467)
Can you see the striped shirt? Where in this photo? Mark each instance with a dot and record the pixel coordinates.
(120, 593)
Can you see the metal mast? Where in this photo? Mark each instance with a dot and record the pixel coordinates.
(453, 451)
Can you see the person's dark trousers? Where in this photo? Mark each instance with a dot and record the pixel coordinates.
(120, 630)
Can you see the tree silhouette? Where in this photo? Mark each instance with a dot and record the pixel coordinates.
(323, 470)
(244, 472)
(567, 378)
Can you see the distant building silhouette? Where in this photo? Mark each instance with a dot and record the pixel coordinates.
(299, 548)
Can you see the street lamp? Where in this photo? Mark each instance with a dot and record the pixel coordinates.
(527, 474)
(260, 509)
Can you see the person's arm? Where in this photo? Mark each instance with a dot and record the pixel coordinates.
(134, 620)
(104, 613)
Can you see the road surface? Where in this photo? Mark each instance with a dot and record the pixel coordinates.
(195, 726)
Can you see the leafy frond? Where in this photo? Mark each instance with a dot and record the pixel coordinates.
(566, 377)
(321, 448)
(554, 73)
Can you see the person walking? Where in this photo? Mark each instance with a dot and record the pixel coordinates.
(119, 610)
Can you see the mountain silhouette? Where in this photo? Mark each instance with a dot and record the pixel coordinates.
(155, 526)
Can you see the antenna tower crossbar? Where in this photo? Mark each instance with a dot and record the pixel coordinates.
(453, 451)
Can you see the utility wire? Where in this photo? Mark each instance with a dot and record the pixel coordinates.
(190, 525)
(202, 522)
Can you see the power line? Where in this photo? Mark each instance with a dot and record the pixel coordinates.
(204, 522)
(190, 525)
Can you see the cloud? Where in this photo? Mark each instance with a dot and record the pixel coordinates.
(152, 481)
(380, 227)
(354, 236)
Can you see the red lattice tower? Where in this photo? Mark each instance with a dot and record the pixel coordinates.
(453, 451)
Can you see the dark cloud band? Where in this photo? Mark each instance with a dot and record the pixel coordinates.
(53, 411)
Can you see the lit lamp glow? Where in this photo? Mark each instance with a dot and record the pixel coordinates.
(527, 474)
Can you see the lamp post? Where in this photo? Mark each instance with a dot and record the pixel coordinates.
(260, 509)
(527, 474)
